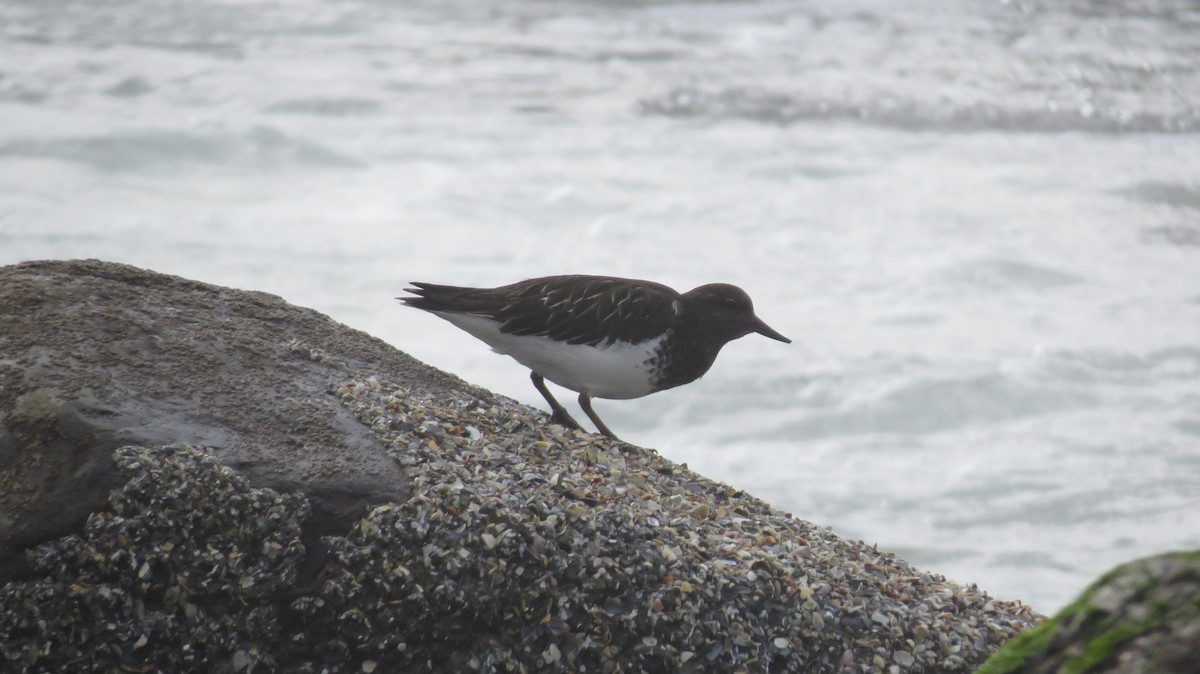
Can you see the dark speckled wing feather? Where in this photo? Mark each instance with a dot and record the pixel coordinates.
(573, 309)
(588, 309)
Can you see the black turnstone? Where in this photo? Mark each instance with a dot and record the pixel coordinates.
(600, 336)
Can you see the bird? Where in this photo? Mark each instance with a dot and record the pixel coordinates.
(600, 336)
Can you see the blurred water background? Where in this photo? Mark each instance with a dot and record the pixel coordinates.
(978, 220)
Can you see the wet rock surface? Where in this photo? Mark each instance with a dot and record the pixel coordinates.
(483, 539)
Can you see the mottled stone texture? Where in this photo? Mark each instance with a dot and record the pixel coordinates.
(187, 569)
(1140, 618)
(96, 355)
(199, 479)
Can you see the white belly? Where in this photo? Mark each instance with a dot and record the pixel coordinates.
(616, 371)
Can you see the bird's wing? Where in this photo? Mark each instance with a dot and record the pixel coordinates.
(587, 310)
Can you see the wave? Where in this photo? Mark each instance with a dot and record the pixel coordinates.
(326, 106)
(131, 151)
(777, 107)
(934, 405)
(1004, 274)
(916, 400)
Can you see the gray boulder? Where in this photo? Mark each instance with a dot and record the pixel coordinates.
(96, 355)
(199, 479)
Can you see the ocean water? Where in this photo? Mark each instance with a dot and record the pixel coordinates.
(978, 221)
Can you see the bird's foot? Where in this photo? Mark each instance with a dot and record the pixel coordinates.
(563, 419)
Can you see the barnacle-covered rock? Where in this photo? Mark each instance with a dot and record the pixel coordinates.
(97, 355)
(527, 548)
(342, 508)
(182, 571)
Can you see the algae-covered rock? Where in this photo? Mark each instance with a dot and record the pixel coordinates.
(1140, 618)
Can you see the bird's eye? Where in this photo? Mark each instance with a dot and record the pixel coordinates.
(732, 302)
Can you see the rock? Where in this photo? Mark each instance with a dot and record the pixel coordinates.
(199, 479)
(96, 355)
(150, 586)
(1140, 618)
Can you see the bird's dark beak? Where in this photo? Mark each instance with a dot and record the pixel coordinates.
(765, 330)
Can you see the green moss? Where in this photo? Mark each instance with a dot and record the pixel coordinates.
(1102, 647)
(1013, 654)
(1190, 555)
(1108, 633)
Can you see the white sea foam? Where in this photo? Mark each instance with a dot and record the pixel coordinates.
(977, 221)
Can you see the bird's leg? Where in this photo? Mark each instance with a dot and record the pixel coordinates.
(585, 401)
(559, 415)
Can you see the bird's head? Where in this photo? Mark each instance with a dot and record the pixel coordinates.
(727, 310)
